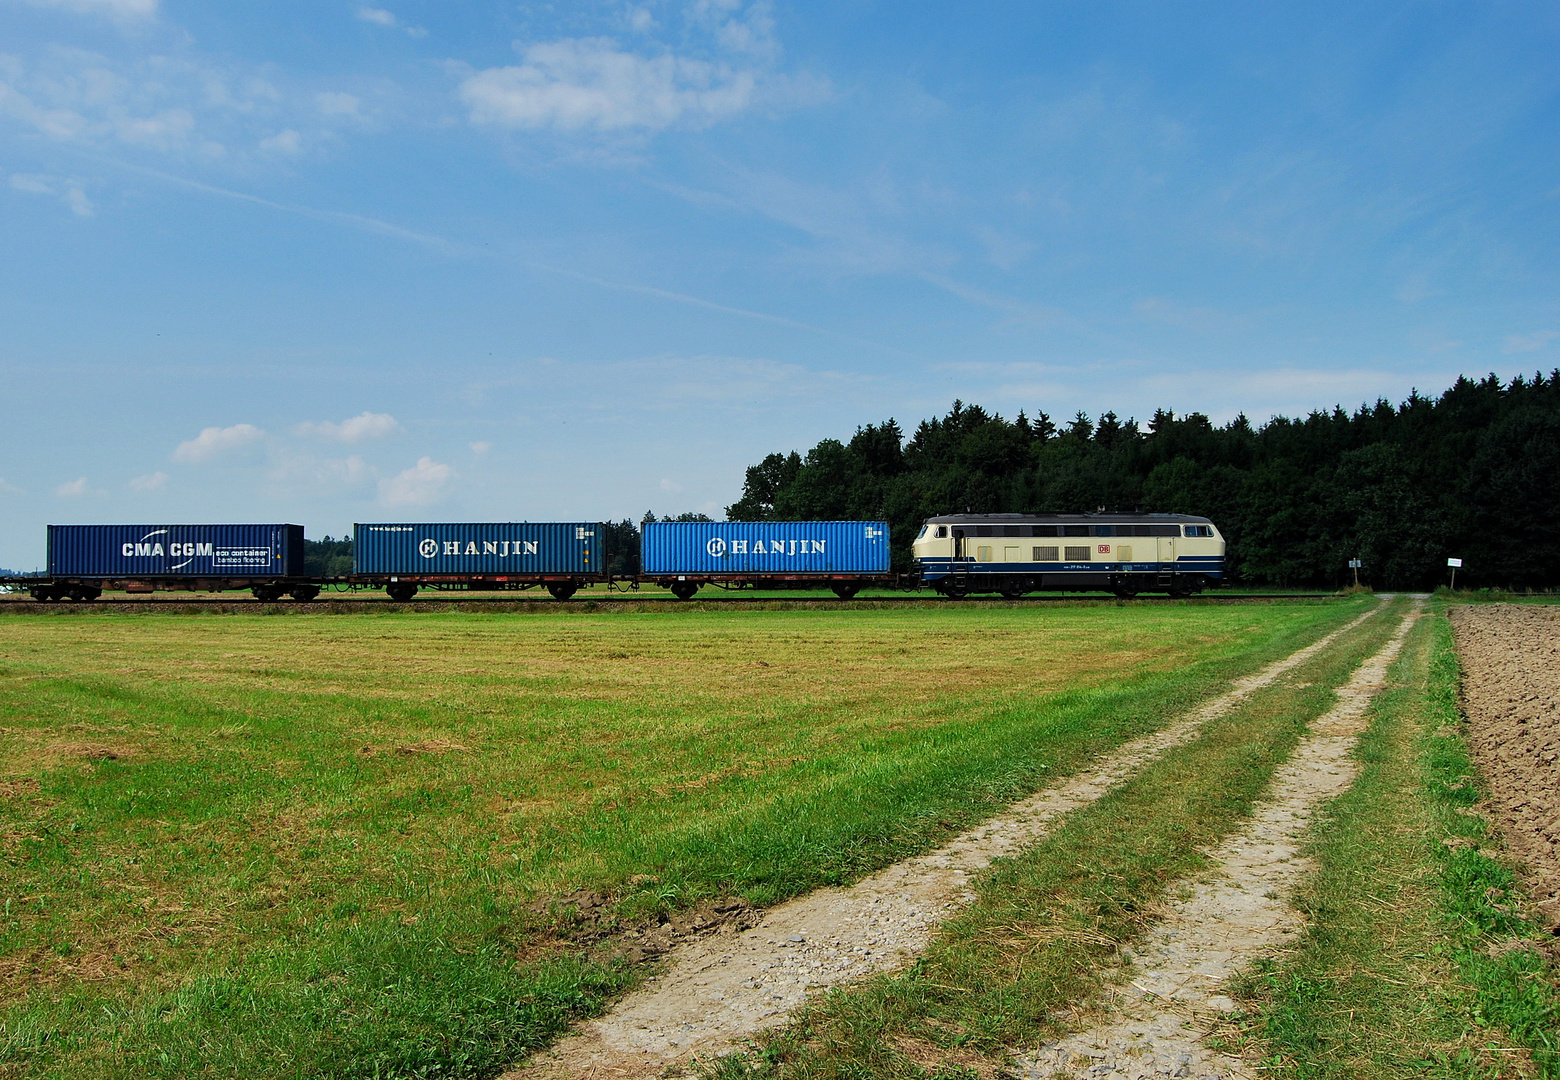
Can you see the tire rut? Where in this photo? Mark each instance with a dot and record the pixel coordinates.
(732, 985)
(1159, 1021)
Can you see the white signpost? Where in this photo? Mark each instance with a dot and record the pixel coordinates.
(1355, 564)
(1454, 564)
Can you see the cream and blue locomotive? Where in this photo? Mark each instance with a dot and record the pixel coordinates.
(1014, 554)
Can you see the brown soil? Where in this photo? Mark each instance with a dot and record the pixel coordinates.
(1511, 696)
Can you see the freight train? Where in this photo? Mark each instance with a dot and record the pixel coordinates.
(957, 555)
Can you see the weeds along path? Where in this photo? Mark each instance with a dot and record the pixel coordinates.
(730, 986)
(1157, 1024)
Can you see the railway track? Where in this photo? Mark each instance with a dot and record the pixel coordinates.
(329, 604)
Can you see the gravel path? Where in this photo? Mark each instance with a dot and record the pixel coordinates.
(1231, 916)
(731, 985)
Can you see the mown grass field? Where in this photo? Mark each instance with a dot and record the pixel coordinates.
(287, 846)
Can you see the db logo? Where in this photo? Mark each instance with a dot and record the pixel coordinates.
(428, 548)
(716, 547)
(1104, 549)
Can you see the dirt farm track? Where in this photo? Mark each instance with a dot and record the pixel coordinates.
(1511, 693)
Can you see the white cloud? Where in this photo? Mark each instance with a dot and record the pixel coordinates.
(365, 425)
(150, 482)
(423, 483)
(480, 449)
(337, 104)
(75, 488)
(32, 183)
(283, 142)
(37, 184)
(377, 16)
(671, 487)
(580, 83)
(77, 200)
(119, 9)
(215, 440)
(162, 131)
(1520, 343)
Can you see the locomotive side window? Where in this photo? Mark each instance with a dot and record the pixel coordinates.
(1042, 530)
(1010, 530)
(1045, 554)
(942, 532)
(1078, 554)
(1075, 530)
(983, 530)
(1104, 530)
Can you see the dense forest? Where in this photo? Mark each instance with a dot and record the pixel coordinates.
(1474, 473)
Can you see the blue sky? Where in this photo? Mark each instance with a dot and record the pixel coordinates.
(332, 262)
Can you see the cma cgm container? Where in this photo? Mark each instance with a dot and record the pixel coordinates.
(845, 555)
(142, 558)
(562, 555)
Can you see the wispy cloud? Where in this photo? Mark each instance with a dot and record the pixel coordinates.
(377, 16)
(150, 482)
(9, 489)
(119, 9)
(75, 489)
(217, 440)
(420, 485)
(69, 191)
(365, 425)
(580, 83)
(1522, 343)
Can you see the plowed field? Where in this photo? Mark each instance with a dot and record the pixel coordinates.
(1511, 693)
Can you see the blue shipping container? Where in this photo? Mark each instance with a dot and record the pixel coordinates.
(180, 551)
(485, 549)
(764, 547)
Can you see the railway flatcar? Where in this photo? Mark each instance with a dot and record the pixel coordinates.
(1014, 554)
(404, 557)
(843, 556)
(84, 560)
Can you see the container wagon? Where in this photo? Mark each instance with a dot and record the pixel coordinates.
(84, 560)
(842, 555)
(1014, 554)
(402, 558)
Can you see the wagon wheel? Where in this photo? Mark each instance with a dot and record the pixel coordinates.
(846, 589)
(305, 593)
(562, 590)
(266, 593)
(684, 590)
(400, 591)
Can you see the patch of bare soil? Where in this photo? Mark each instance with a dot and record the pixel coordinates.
(1156, 1025)
(731, 985)
(1511, 696)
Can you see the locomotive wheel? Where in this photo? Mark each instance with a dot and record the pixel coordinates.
(305, 592)
(684, 590)
(562, 590)
(1125, 590)
(1012, 591)
(956, 592)
(400, 591)
(846, 589)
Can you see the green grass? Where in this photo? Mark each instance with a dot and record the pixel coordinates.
(1048, 923)
(1417, 962)
(311, 847)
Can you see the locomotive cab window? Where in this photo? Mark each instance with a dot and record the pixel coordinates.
(1199, 530)
(942, 532)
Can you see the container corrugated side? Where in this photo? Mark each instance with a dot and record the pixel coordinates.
(183, 551)
(487, 549)
(764, 547)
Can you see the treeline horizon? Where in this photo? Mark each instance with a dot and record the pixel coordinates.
(1473, 474)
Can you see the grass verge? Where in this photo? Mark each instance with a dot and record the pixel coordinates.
(1047, 928)
(1417, 962)
(276, 848)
